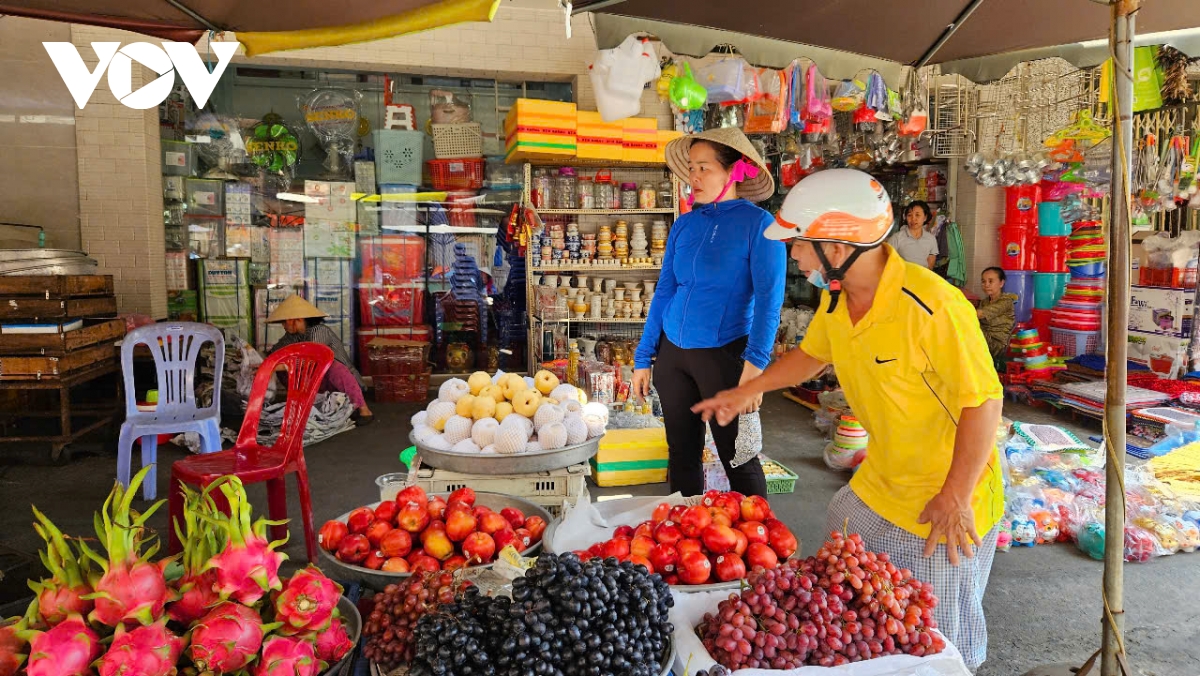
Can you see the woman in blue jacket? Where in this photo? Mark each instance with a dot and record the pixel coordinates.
(712, 322)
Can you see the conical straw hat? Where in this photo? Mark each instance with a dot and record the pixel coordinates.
(295, 307)
(757, 189)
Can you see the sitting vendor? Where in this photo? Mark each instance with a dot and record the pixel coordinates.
(304, 323)
(997, 312)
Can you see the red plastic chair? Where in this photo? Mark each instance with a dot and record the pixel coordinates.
(251, 462)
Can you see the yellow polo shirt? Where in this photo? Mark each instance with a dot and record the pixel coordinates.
(908, 369)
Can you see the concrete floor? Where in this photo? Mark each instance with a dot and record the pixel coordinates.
(1043, 605)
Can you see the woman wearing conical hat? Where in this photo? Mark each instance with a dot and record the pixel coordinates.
(304, 323)
(715, 311)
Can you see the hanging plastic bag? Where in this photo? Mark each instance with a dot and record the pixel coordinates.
(768, 115)
(816, 97)
(723, 79)
(877, 96)
(798, 92)
(914, 117)
(620, 74)
(848, 96)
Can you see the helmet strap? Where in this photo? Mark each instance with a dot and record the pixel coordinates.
(835, 275)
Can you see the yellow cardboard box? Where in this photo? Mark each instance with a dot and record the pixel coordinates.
(640, 139)
(597, 139)
(631, 458)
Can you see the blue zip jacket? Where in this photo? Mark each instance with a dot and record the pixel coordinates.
(721, 280)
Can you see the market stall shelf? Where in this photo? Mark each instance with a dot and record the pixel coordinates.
(379, 579)
(515, 463)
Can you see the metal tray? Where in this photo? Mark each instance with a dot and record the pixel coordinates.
(517, 463)
(353, 621)
(668, 662)
(378, 579)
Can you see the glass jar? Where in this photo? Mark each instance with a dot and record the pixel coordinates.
(629, 196)
(541, 192)
(666, 193)
(587, 193)
(647, 196)
(606, 193)
(566, 189)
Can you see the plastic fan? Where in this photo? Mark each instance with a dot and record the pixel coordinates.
(332, 116)
(272, 145)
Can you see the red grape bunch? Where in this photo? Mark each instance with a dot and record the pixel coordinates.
(391, 626)
(845, 604)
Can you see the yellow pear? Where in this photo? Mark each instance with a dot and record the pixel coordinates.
(463, 406)
(483, 407)
(545, 382)
(478, 381)
(512, 385)
(494, 391)
(526, 403)
(502, 411)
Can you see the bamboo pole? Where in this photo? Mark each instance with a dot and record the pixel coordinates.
(1112, 649)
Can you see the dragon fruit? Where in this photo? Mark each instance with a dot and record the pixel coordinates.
(145, 651)
(67, 649)
(12, 644)
(195, 587)
(63, 594)
(132, 589)
(288, 656)
(332, 643)
(227, 638)
(307, 602)
(248, 566)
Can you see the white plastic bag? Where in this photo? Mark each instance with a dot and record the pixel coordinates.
(620, 74)
(586, 523)
(251, 360)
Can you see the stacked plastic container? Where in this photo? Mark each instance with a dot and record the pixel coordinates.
(1018, 246)
(1050, 280)
(1076, 320)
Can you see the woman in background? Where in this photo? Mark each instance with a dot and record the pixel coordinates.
(304, 323)
(997, 312)
(913, 242)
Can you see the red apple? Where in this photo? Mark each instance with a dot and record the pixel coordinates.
(668, 533)
(617, 548)
(641, 546)
(719, 516)
(742, 543)
(505, 537)
(694, 521)
(413, 517)
(480, 510)
(492, 523)
(455, 562)
(536, 526)
(386, 511)
(644, 530)
(782, 540)
(524, 539)
(597, 550)
(719, 539)
(332, 534)
(435, 524)
(464, 495)
(756, 508)
(759, 554)
(661, 512)
(583, 554)
(425, 564)
(665, 558)
(688, 545)
(439, 546)
(436, 507)
(376, 531)
(359, 519)
(729, 567)
(730, 505)
(479, 548)
(414, 556)
(641, 561)
(374, 560)
(459, 524)
(695, 568)
(676, 513)
(754, 531)
(354, 548)
(411, 494)
(396, 543)
(671, 579)
(623, 532)
(736, 496)
(710, 498)
(514, 516)
(395, 564)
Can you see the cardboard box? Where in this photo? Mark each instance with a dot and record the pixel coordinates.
(335, 201)
(597, 139)
(540, 129)
(328, 239)
(631, 457)
(1165, 355)
(640, 139)
(665, 136)
(1161, 311)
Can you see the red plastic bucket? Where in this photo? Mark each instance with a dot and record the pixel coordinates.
(1052, 254)
(1041, 322)
(1017, 248)
(1021, 205)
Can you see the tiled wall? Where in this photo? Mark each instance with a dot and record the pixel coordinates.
(980, 212)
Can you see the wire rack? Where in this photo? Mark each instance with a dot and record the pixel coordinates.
(1031, 102)
(953, 100)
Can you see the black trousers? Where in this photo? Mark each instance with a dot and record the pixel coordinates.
(684, 378)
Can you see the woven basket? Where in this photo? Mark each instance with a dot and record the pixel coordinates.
(452, 141)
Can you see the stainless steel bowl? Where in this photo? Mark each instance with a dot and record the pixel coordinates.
(378, 579)
(353, 621)
(516, 463)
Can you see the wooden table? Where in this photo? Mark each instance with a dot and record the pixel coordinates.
(104, 413)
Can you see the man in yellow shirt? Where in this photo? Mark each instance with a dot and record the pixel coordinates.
(917, 373)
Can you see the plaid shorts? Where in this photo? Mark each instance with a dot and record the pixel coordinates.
(959, 589)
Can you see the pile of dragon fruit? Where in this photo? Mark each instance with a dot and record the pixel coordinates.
(219, 608)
